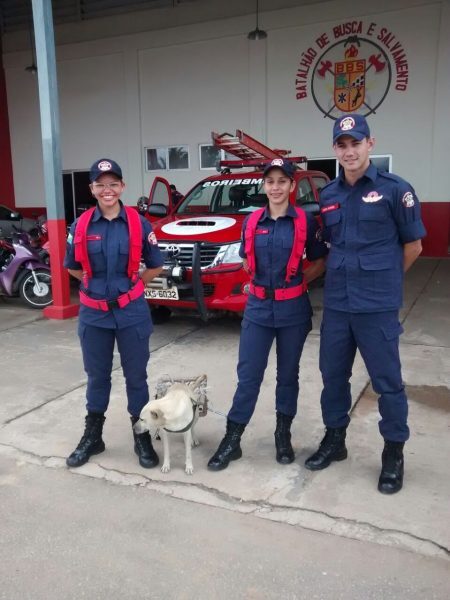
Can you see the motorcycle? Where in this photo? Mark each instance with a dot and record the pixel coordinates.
(38, 240)
(22, 272)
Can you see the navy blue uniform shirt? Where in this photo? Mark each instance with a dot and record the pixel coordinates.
(274, 239)
(367, 225)
(108, 251)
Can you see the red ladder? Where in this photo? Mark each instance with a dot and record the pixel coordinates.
(249, 150)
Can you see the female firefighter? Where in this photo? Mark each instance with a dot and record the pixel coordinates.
(273, 241)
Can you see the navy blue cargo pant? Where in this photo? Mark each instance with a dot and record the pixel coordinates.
(97, 345)
(376, 335)
(254, 349)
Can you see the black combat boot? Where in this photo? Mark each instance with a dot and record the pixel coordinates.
(391, 476)
(285, 452)
(143, 447)
(91, 442)
(229, 448)
(331, 448)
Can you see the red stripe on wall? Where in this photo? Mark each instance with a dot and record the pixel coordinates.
(436, 218)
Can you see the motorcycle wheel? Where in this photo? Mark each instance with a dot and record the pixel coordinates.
(33, 295)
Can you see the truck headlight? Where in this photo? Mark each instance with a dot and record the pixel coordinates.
(228, 254)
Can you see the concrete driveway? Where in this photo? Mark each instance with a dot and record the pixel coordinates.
(42, 411)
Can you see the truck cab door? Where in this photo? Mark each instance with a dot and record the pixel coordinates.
(160, 202)
(305, 196)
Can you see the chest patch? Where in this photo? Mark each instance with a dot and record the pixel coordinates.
(93, 238)
(261, 231)
(372, 197)
(408, 200)
(330, 207)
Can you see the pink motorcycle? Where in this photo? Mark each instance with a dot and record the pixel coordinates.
(23, 274)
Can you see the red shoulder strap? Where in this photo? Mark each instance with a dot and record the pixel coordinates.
(80, 241)
(249, 242)
(300, 233)
(135, 243)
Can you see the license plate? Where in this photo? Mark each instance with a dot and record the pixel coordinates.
(168, 294)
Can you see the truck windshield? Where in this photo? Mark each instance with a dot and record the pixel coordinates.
(224, 196)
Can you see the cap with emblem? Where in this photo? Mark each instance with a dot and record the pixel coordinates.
(354, 125)
(286, 166)
(102, 166)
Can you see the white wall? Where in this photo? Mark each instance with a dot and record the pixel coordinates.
(402, 125)
(121, 93)
(188, 90)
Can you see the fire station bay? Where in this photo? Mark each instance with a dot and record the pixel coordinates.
(147, 82)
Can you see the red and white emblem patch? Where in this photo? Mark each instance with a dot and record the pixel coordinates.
(372, 197)
(152, 238)
(347, 123)
(104, 165)
(277, 162)
(408, 200)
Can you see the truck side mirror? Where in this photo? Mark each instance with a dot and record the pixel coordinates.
(157, 210)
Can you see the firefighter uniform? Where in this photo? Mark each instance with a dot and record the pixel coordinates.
(367, 225)
(287, 321)
(131, 326)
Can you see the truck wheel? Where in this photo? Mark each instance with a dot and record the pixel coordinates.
(36, 295)
(160, 314)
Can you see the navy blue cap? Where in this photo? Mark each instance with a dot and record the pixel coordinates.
(354, 125)
(102, 166)
(286, 166)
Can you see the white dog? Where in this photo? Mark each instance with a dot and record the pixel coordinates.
(176, 412)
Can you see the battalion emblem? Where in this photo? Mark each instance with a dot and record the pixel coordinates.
(408, 200)
(152, 238)
(354, 74)
(372, 197)
(104, 165)
(349, 81)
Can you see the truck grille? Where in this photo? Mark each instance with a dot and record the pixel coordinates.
(208, 253)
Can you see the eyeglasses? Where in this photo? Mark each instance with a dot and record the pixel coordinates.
(115, 186)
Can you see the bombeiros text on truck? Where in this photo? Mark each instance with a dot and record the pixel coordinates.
(200, 238)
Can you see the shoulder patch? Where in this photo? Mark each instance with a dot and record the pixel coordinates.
(408, 200)
(152, 238)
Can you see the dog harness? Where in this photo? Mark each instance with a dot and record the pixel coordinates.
(298, 247)
(134, 258)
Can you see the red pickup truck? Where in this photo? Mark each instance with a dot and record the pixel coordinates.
(200, 238)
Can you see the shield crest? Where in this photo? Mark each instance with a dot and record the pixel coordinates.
(349, 84)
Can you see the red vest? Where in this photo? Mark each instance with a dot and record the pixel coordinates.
(135, 243)
(298, 247)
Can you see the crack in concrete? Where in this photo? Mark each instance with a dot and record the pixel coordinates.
(414, 302)
(35, 408)
(294, 516)
(84, 383)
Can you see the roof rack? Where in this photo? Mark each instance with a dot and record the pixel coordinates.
(250, 152)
